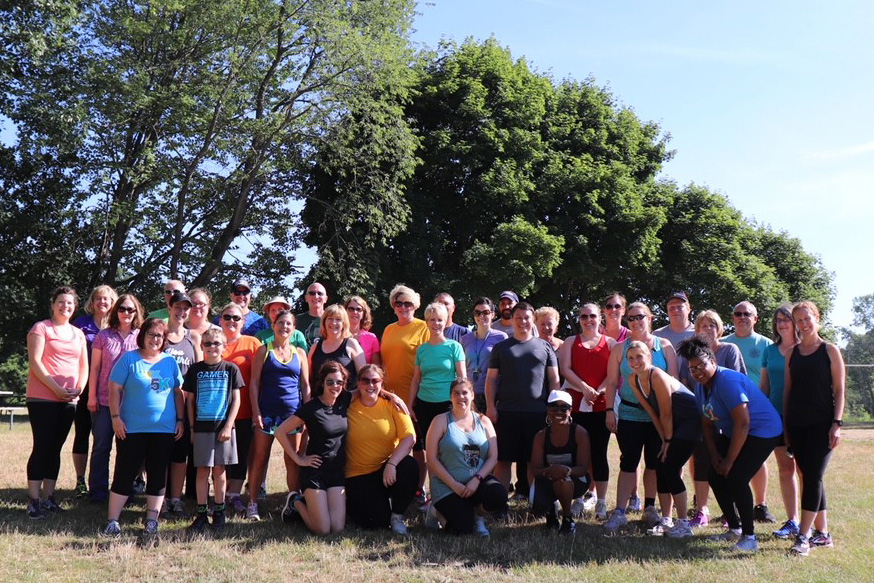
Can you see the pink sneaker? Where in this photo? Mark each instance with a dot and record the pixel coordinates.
(701, 519)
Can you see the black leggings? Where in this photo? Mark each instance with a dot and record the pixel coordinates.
(136, 450)
(634, 436)
(669, 473)
(82, 423)
(810, 446)
(599, 437)
(425, 413)
(733, 491)
(461, 512)
(370, 503)
(50, 423)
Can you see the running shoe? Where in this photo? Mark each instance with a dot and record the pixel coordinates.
(617, 520)
(288, 510)
(235, 503)
(701, 519)
(762, 514)
(729, 536)
(50, 505)
(634, 504)
(801, 547)
(150, 533)
(651, 517)
(111, 530)
(821, 539)
(680, 530)
(262, 492)
(252, 512)
(35, 510)
(139, 487)
(176, 509)
(661, 527)
(567, 526)
(396, 522)
(551, 521)
(578, 505)
(421, 498)
(589, 501)
(81, 488)
(479, 526)
(219, 520)
(601, 510)
(201, 522)
(431, 520)
(747, 544)
(788, 530)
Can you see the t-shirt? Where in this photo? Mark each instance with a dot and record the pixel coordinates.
(374, 432)
(183, 351)
(752, 348)
(64, 346)
(455, 332)
(212, 386)
(327, 427)
(436, 364)
(727, 356)
(775, 363)
(163, 314)
(369, 344)
(252, 323)
(675, 337)
(112, 345)
(148, 403)
(241, 353)
(730, 389)
(399, 344)
(297, 338)
(89, 328)
(310, 326)
(523, 384)
(477, 354)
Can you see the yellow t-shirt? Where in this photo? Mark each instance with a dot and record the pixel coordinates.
(398, 348)
(373, 434)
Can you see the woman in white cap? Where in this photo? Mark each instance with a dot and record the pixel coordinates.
(559, 462)
(273, 306)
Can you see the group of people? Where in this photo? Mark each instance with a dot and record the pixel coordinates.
(365, 422)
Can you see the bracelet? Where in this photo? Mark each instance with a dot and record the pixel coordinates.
(391, 464)
(116, 416)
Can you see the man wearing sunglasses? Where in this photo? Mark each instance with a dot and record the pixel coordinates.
(310, 321)
(752, 346)
(241, 294)
(171, 287)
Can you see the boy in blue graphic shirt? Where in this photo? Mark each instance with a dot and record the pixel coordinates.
(212, 409)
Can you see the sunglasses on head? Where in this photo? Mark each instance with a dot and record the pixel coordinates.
(231, 318)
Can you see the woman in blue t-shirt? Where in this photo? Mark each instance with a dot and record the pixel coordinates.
(145, 405)
(741, 429)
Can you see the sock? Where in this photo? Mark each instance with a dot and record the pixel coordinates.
(202, 508)
(648, 502)
(219, 507)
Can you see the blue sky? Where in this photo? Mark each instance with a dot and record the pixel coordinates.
(766, 102)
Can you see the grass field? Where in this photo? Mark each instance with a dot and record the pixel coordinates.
(66, 548)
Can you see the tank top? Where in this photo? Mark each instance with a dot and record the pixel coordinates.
(280, 385)
(564, 455)
(684, 411)
(341, 356)
(461, 453)
(629, 408)
(182, 351)
(812, 398)
(590, 364)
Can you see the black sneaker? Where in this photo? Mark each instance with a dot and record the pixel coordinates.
(551, 521)
(201, 522)
(81, 488)
(34, 510)
(762, 514)
(218, 519)
(50, 505)
(111, 530)
(289, 512)
(150, 534)
(567, 526)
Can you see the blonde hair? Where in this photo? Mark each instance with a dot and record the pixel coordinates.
(402, 290)
(546, 311)
(335, 311)
(713, 317)
(100, 289)
(436, 308)
(216, 333)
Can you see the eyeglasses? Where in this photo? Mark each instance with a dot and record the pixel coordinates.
(564, 408)
(700, 367)
(743, 314)
(126, 309)
(478, 313)
(407, 305)
(241, 292)
(315, 293)
(198, 305)
(211, 344)
(334, 383)
(231, 318)
(155, 335)
(635, 318)
(355, 309)
(588, 316)
(613, 306)
(782, 320)
(369, 381)
(170, 292)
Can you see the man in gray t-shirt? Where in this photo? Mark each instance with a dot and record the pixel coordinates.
(679, 327)
(522, 371)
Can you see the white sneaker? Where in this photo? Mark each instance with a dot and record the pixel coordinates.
(729, 536)
(680, 530)
(664, 525)
(577, 507)
(617, 520)
(397, 524)
(479, 526)
(651, 517)
(601, 510)
(252, 512)
(634, 504)
(747, 544)
(431, 520)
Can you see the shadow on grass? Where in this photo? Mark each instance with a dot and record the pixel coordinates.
(516, 544)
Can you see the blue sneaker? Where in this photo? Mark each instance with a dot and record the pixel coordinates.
(788, 530)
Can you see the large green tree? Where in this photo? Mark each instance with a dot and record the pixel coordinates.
(859, 357)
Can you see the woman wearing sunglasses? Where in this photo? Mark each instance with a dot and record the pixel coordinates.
(279, 386)
(559, 462)
(241, 351)
(478, 348)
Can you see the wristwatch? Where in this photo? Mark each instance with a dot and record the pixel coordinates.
(838, 422)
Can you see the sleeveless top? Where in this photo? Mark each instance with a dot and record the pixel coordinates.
(684, 411)
(182, 351)
(461, 453)
(590, 364)
(341, 356)
(564, 455)
(629, 408)
(812, 398)
(280, 385)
